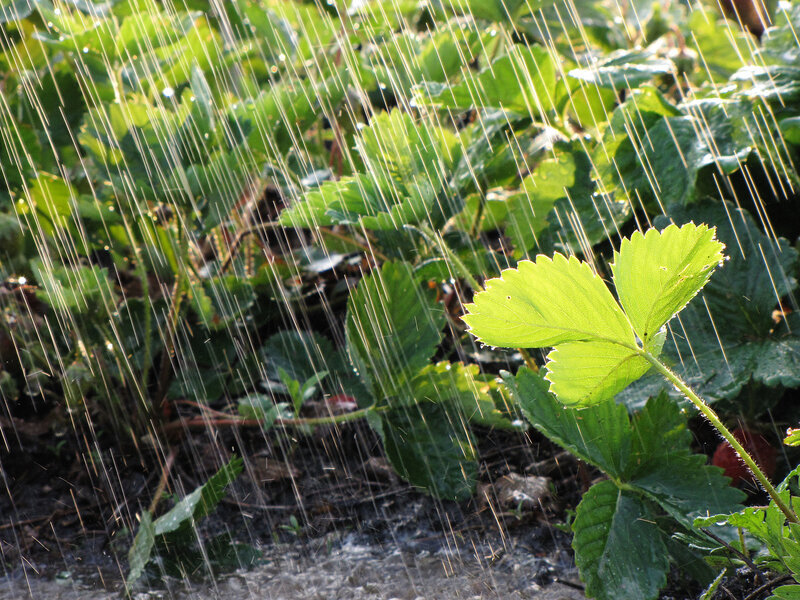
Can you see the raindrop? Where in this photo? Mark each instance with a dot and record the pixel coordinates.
(168, 92)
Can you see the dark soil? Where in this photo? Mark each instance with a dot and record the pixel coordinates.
(66, 511)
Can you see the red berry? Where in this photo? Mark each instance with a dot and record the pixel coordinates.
(341, 403)
(759, 448)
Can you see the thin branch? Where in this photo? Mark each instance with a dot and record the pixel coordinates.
(738, 553)
(768, 586)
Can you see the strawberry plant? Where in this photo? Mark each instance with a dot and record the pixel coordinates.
(600, 345)
(268, 214)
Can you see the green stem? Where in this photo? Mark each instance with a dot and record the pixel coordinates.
(141, 271)
(461, 268)
(476, 222)
(333, 419)
(223, 420)
(712, 417)
(173, 320)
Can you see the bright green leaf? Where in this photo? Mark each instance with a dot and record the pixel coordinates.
(624, 69)
(585, 373)
(658, 273)
(728, 337)
(792, 437)
(786, 592)
(545, 303)
(521, 81)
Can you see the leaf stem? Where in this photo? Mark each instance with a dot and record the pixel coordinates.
(712, 417)
(204, 422)
(459, 265)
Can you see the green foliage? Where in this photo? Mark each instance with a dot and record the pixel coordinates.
(740, 342)
(181, 181)
(600, 347)
(562, 303)
(620, 541)
(392, 328)
(172, 536)
(609, 524)
(421, 411)
(624, 69)
(780, 550)
(521, 81)
(430, 445)
(657, 274)
(546, 303)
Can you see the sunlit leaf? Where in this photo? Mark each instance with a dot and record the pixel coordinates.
(545, 303)
(410, 165)
(792, 437)
(731, 334)
(658, 273)
(585, 373)
(82, 290)
(490, 10)
(521, 81)
(721, 49)
(624, 69)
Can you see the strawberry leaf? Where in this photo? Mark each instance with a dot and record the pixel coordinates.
(658, 273)
(392, 328)
(585, 373)
(430, 446)
(545, 303)
(618, 547)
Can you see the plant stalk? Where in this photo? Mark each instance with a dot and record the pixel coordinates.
(459, 265)
(222, 420)
(712, 417)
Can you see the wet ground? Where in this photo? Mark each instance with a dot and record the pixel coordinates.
(348, 570)
(328, 514)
